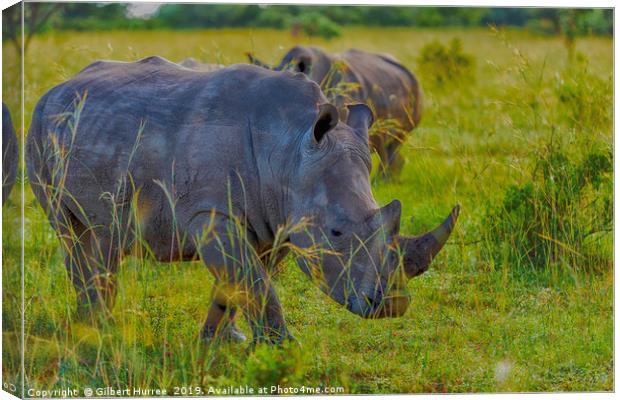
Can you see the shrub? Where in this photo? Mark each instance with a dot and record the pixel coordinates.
(585, 98)
(596, 21)
(442, 65)
(272, 17)
(273, 366)
(551, 217)
(315, 24)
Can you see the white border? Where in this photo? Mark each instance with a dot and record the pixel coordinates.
(477, 3)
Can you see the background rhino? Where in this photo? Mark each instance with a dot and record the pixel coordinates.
(216, 164)
(192, 63)
(10, 153)
(379, 80)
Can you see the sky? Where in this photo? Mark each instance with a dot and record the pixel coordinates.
(142, 10)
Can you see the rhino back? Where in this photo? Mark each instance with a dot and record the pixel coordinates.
(165, 126)
(388, 85)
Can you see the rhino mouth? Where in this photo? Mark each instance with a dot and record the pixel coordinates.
(389, 306)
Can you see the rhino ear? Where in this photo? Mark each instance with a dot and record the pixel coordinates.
(303, 65)
(326, 120)
(360, 118)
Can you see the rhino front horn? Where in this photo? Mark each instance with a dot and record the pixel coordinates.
(419, 251)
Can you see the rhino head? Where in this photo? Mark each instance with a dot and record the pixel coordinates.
(366, 263)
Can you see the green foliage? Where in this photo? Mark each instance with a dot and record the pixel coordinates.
(100, 16)
(442, 65)
(584, 97)
(272, 17)
(315, 24)
(269, 366)
(562, 213)
(597, 22)
(550, 217)
(191, 16)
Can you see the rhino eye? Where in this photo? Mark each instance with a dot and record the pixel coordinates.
(336, 232)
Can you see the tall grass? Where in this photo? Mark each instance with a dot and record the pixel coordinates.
(485, 317)
(561, 213)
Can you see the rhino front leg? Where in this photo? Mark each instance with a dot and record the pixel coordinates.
(243, 283)
(395, 160)
(265, 316)
(220, 323)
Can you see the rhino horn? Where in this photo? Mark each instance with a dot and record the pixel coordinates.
(256, 61)
(419, 251)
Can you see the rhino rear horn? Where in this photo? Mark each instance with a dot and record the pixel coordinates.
(388, 217)
(419, 251)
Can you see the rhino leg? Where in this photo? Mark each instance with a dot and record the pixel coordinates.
(390, 160)
(220, 323)
(242, 282)
(266, 318)
(395, 160)
(91, 263)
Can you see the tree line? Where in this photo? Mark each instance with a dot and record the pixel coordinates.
(323, 21)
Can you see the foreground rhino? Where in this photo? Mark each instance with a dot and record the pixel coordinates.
(378, 79)
(202, 153)
(10, 156)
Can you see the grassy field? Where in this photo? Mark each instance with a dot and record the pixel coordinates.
(487, 317)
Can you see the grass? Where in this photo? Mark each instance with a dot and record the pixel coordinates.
(479, 321)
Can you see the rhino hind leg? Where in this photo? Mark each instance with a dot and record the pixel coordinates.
(92, 268)
(220, 324)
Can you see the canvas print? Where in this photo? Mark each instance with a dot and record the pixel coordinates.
(233, 199)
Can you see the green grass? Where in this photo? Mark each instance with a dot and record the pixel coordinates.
(478, 322)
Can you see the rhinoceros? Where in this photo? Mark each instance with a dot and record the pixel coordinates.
(375, 79)
(192, 63)
(10, 156)
(217, 165)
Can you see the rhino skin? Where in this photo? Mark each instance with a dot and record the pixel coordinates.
(195, 152)
(382, 82)
(10, 154)
(194, 64)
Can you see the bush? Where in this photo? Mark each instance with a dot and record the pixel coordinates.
(446, 65)
(273, 366)
(585, 98)
(542, 26)
(315, 24)
(273, 17)
(597, 21)
(551, 217)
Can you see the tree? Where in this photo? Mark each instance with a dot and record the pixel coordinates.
(36, 16)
